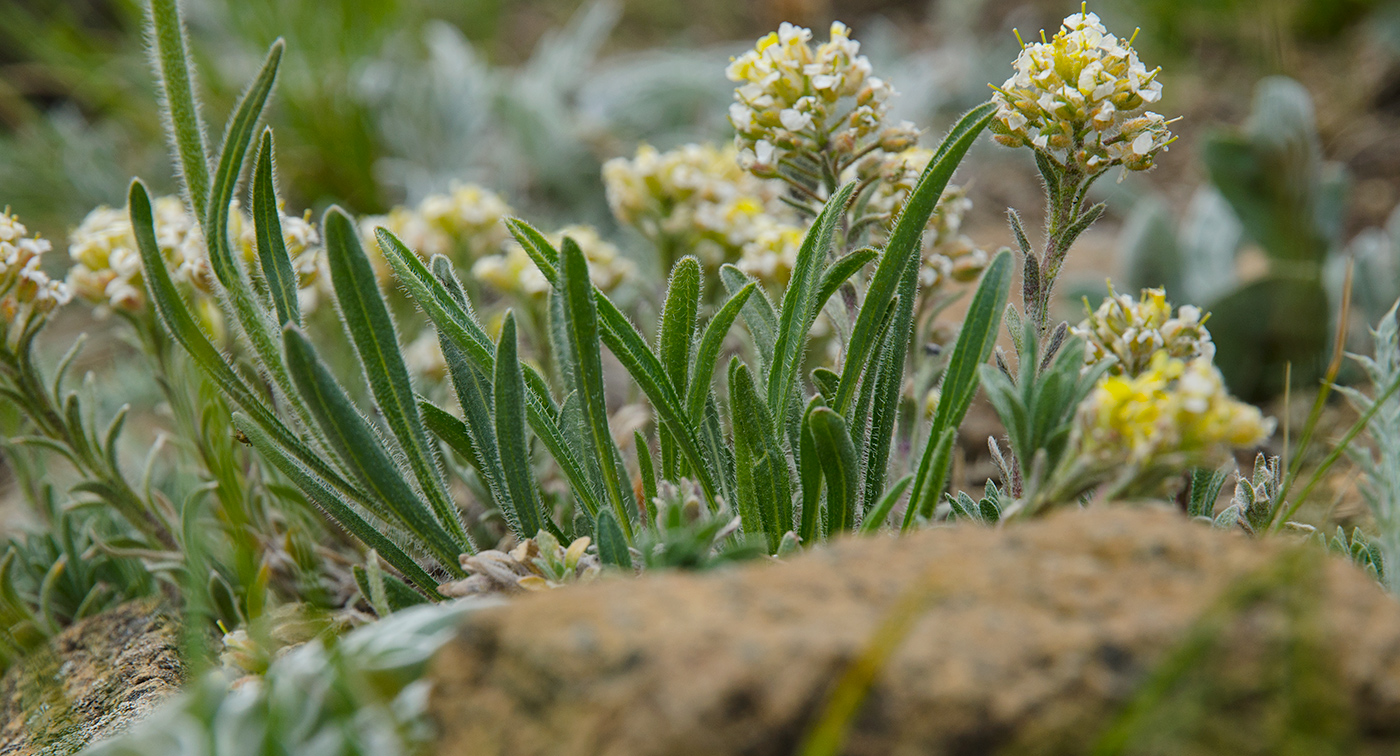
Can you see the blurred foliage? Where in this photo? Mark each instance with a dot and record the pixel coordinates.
(1271, 188)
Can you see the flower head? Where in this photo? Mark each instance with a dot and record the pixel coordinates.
(1081, 97)
(463, 225)
(795, 101)
(107, 263)
(1132, 332)
(24, 286)
(694, 198)
(1174, 407)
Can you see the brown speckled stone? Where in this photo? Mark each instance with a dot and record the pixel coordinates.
(1037, 636)
(92, 681)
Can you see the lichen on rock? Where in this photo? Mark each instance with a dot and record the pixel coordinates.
(91, 681)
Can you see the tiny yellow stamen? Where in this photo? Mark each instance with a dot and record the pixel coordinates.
(1017, 32)
(1135, 33)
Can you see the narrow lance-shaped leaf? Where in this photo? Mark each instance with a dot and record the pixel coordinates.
(837, 456)
(376, 341)
(457, 324)
(799, 306)
(881, 511)
(627, 344)
(356, 442)
(336, 509)
(175, 315)
(960, 379)
(840, 270)
(677, 338)
(612, 545)
(272, 249)
(904, 245)
(886, 368)
(510, 432)
(647, 469)
(707, 356)
(759, 315)
(765, 486)
(810, 475)
(181, 109)
(583, 338)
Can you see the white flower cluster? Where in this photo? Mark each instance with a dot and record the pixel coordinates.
(1131, 332)
(23, 284)
(1082, 97)
(696, 200)
(513, 272)
(948, 254)
(795, 104)
(107, 264)
(462, 225)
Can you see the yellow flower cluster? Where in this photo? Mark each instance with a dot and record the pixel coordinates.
(794, 101)
(24, 286)
(462, 225)
(1175, 407)
(948, 254)
(513, 272)
(107, 264)
(1082, 97)
(1131, 332)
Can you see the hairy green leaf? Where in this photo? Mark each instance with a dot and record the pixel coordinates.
(272, 249)
(372, 331)
(905, 243)
(510, 431)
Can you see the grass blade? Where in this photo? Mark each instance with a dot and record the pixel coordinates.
(524, 500)
(372, 331)
(903, 248)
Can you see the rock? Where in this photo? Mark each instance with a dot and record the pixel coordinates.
(1131, 629)
(92, 681)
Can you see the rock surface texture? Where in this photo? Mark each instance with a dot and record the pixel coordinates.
(92, 681)
(1109, 630)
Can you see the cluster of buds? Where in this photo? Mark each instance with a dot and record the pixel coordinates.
(462, 225)
(538, 563)
(1081, 98)
(1131, 332)
(1175, 408)
(24, 286)
(696, 200)
(513, 271)
(809, 111)
(107, 264)
(948, 254)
